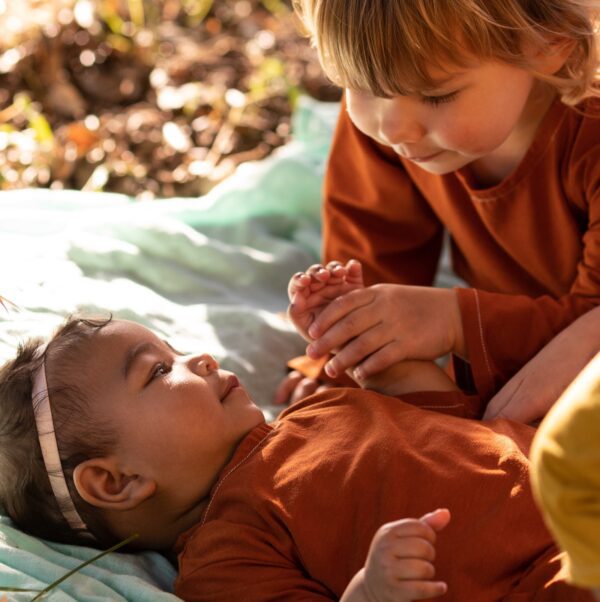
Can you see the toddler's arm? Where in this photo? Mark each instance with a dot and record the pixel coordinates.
(532, 391)
(399, 566)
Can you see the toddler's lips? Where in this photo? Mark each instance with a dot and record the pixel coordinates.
(425, 158)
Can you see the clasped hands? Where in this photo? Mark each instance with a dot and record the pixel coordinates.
(368, 329)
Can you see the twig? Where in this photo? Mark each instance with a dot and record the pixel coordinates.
(8, 305)
(84, 564)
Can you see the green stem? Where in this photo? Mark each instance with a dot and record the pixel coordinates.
(84, 564)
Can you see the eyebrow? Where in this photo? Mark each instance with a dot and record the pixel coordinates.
(172, 348)
(133, 354)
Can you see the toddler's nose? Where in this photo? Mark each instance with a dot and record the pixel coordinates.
(400, 125)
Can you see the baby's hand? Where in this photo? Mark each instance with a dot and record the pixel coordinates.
(310, 292)
(399, 566)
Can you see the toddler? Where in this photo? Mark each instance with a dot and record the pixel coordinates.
(478, 118)
(106, 430)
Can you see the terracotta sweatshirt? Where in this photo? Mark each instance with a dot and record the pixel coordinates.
(293, 513)
(530, 245)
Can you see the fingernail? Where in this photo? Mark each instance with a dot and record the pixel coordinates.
(310, 351)
(358, 373)
(313, 332)
(330, 371)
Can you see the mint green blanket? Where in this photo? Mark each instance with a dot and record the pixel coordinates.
(208, 274)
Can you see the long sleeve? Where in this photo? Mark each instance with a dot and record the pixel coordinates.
(504, 331)
(246, 564)
(374, 213)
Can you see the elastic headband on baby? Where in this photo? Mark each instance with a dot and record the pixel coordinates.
(47, 438)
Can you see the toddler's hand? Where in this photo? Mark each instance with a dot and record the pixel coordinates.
(373, 328)
(310, 292)
(399, 566)
(532, 391)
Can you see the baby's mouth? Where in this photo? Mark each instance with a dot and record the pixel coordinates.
(232, 382)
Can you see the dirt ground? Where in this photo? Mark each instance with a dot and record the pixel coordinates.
(151, 99)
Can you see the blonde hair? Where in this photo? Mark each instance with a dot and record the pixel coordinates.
(390, 46)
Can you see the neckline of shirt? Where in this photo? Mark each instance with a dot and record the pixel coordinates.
(540, 144)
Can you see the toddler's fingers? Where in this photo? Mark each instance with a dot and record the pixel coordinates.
(377, 360)
(338, 309)
(361, 342)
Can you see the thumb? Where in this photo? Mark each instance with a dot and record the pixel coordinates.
(438, 519)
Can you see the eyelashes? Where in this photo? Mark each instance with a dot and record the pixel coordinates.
(438, 100)
(160, 369)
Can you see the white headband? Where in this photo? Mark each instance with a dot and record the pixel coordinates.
(47, 437)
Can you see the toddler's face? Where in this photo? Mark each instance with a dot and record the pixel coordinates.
(478, 111)
(179, 417)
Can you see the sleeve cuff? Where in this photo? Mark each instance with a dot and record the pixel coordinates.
(477, 353)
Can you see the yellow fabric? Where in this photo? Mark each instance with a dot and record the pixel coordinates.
(565, 472)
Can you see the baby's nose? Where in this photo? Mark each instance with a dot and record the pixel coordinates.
(204, 364)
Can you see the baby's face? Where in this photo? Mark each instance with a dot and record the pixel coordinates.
(179, 417)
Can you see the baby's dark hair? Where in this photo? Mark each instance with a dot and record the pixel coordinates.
(25, 490)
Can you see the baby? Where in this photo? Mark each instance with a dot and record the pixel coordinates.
(106, 430)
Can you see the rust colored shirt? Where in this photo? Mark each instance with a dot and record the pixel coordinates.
(530, 245)
(293, 514)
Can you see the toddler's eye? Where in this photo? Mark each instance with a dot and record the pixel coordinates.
(438, 100)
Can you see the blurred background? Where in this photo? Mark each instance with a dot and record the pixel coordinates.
(147, 98)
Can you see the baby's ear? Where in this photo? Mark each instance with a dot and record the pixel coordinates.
(101, 483)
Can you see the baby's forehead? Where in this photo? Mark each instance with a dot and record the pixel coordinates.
(115, 340)
(126, 329)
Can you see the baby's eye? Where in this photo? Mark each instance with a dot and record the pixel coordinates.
(160, 370)
(438, 100)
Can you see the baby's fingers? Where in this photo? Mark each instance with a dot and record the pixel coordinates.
(438, 519)
(420, 590)
(298, 283)
(354, 272)
(287, 386)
